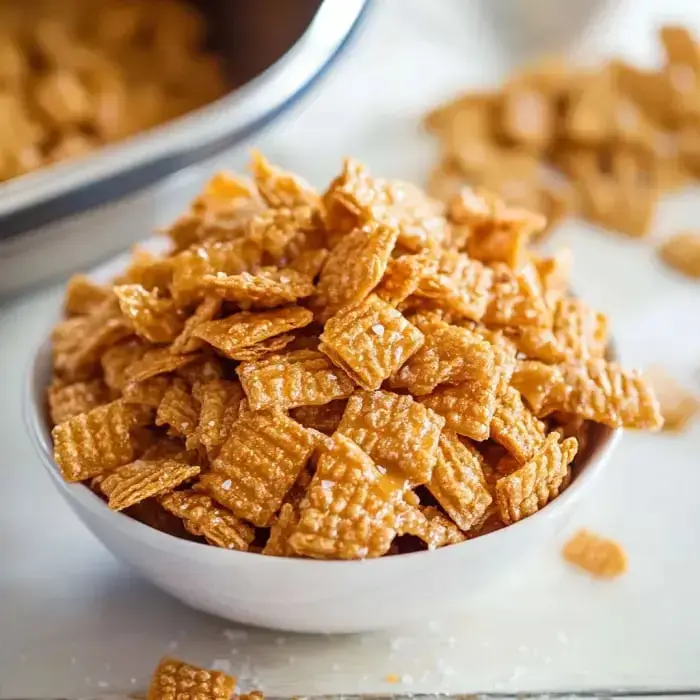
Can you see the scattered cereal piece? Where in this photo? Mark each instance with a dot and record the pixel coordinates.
(596, 555)
(177, 679)
(678, 406)
(682, 253)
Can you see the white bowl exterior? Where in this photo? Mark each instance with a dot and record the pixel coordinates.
(304, 595)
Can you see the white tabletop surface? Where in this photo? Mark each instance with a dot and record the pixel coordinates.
(73, 620)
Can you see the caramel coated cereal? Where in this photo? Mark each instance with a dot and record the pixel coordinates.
(596, 555)
(529, 488)
(261, 459)
(135, 482)
(421, 378)
(398, 433)
(458, 481)
(682, 253)
(352, 509)
(296, 378)
(240, 331)
(177, 679)
(370, 341)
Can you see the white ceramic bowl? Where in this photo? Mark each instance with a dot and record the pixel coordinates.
(305, 595)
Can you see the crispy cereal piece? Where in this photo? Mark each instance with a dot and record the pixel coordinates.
(430, 525)
(265, 289)
(498, 233)
(309, 263)
(205, 518)
(596, 555)
(176, 679)
(682, 253)
(117, 360)
(296, 378)
(403, 276)
(147, 270)
(135, 482)
(83, 296)
(515, 300)
(678, 406)
(355, 198)
(398, 433)
(279, 188)
(504, 353)
(264, 348)
(261, 459)
(458, 481)
(450, 355)
(94, 442)
(156, 361)
(462, 286)
(325, 418)
(354, 267)
(370, 341)
(179, 409)
(529, 116)
(204, 369)
(352, 510)
(70, 400)
(240, 331)
(149, 392)
(596, 390)
(516, 428)
(578, 333)
(531, 487)
(155, 319)
(207, 310)
(220, 402)
(284, 525)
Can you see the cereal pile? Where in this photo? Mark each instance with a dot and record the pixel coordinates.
(349, 375)
(603, 144)
(79, 74)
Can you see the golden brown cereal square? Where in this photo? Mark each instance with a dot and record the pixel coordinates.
(515, 427)
(135, 482)
(265, 289)
(291, 379)
(83, 296)
(204, 518)
(261, 459)
(220, 402)
(155, 319)
(69, 400)
(458, 481)
(178, 409)
(94, 442)
(351, 510)
(431, 525)
(399, 434)
(370, 341)
(403, 275)
(279, 188)
(235, 333)
(284, 525)
(156, 361)
(177, 679)
(117, 360)
(532, 486)
(149, 392)
(682, 253)
(206, 310)
(596, 555)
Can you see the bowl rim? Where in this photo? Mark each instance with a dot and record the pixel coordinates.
(37, 425)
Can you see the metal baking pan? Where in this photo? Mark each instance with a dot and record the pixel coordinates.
(274, 49)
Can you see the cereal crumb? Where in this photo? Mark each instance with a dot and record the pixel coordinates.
(600, 557)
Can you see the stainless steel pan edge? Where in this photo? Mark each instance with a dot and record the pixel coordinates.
(113, 172)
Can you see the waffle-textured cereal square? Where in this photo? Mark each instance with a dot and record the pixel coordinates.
(135, 482)
(291, 379)
(116, 361)
(431, 525)
(246, 329)
(265, 289)
(206, 310)
(458, 481)
(220, 405)
(515, 427)
(532, 486)
(177, 680)
(149, 392)
(179, 409)
(94, 442)
(155, 319)
(69, 400)
(285, 524)
(370, 341)
(399, 434)
(351, 510)
(155, 361)
(262, 458)
(403, 276)
(202, 517)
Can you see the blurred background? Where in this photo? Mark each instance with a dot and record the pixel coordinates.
(113, 113)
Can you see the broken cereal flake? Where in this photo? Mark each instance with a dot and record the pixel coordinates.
(598, 556)
(682, 253)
